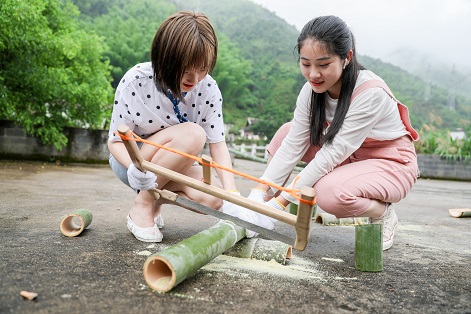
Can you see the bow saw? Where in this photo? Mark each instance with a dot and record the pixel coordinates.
(301, 221)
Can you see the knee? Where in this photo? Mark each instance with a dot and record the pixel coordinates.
(197, 135)
(333, 199)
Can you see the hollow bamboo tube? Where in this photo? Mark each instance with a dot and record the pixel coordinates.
(327, 219)
(166, 269)
(73, 224)
(460, 212)
(261, 249)
(293, 209)
(369, 247)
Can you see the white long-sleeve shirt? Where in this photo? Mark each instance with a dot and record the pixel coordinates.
(372, 114)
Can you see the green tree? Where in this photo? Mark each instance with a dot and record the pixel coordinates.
(128, 30)
(234, 77)
(51, 72)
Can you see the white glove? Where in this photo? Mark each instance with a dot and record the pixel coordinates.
(275, 204)
(269, 221)
(244, 214)
(257, 195)
(139, 180)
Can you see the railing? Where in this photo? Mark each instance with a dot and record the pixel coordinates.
(256, 153)
(252, 152)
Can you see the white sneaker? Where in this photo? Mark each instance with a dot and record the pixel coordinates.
(389, 221)
(150, 234)
(159, 221)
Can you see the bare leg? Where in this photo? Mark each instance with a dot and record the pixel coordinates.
(376, 209)
(188, 138)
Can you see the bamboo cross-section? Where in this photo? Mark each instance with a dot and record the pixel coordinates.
(460, 212)
(73, 224)
(301, 221)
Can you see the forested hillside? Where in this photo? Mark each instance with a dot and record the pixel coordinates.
(257, 69)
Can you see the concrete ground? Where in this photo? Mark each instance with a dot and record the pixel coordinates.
(101, 271)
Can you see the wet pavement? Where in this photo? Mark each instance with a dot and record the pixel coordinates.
(101, 271)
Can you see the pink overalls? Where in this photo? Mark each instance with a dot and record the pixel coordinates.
(380, 170)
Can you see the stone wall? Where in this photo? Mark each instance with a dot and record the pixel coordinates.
(86, 146)
(89, 146)
(435, 167)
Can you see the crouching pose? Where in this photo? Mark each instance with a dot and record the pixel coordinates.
(174, 102)
(355, 136)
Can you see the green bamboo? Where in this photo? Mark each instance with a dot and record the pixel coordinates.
(293, 209)
(242, 249)
(73, 224)
(267, 250)
(466, 213)
(369, 247)
(166, 269)
(261, 249)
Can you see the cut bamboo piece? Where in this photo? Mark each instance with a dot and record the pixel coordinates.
(369, 247)
(460, 212)
(293, 209)
(261, 249)
(166, 269)
(327, 219)
(73, 224)
(28, 295)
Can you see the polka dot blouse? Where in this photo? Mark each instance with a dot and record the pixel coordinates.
(139, 105)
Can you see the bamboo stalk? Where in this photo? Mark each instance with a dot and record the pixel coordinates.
(327, 219)
(166, 269)
(73, 224)
(369, 247)
(261, 249)
(293, 209)
(460, 212)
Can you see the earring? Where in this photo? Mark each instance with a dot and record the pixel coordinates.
(344, 65)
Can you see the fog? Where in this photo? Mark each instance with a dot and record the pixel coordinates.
(401, 32)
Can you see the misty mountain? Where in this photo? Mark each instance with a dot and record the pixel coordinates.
(257, 71)
(446, 75)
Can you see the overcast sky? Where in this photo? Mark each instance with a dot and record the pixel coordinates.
(439, 29)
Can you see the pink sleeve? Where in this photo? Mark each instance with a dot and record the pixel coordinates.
(278, 138)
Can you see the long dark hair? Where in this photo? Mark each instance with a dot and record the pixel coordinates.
(335, 36)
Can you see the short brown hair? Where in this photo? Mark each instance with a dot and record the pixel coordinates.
(183, 41)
